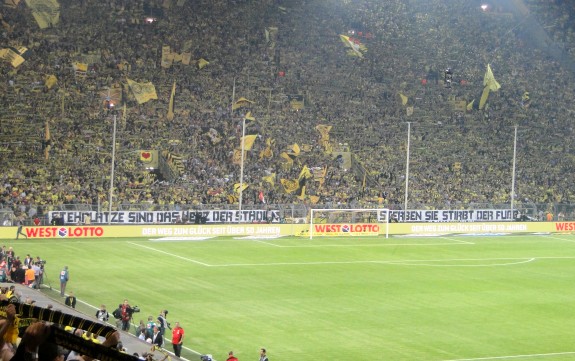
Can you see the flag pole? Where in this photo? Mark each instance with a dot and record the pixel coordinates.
(407, 166)
(242, 166)
(233, 96)
(112, 171)
(513, 172)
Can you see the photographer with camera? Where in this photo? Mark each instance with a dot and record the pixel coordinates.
(162, 322)
(126, 312)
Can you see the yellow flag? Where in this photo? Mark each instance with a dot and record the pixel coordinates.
(202, 63)
(489, 80)
(305, 173)
(143, 92)
(12, 3)
(249, 117)
(240, 103)
(470, 105)
(13, 56)
(271, 179)
(323, 130)
(287, 157)
(356, 47)
(295, 149)
(290, 186)
(484, 97)
(167, 57)
(45, 12)
(80, 69)
(170, 115)
(148, 156)
(51, 80)
(404, 99)
(237, 157)
(237, 187)
(267, 152)
(248, 141)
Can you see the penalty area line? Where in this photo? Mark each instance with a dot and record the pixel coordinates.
(171, 254)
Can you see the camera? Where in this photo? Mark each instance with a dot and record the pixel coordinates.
(206, 357)
(135, 309)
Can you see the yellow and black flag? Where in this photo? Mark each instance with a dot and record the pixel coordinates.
(237, 187)
(143, 92)
(45, 12)
(289, 185)
(267, 152)
(13, 55)
(241, 103)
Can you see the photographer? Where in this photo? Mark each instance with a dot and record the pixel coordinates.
(102, 314)
(162, 322)
(126, 312)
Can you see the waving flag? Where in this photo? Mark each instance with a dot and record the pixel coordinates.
(143, 92)
(356, 47)
(490, 84)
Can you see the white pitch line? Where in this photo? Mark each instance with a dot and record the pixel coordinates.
(171, 254)
(268, 243)
(561, 239)
(457, 240)
(390, 262)
(552, 354)
(393, 262)
(369, 245)
(402, 263)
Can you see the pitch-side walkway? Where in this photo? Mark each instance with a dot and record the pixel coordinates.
(129, 341)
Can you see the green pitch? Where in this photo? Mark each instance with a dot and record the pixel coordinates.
(440, 298)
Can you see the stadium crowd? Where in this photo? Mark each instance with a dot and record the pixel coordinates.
(56, 137)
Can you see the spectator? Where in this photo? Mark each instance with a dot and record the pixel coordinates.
(70, 300)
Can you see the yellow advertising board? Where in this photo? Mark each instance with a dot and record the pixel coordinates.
(277, 230)
(153, 231)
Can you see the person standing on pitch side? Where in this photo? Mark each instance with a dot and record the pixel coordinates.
(64, 277)
(177, 339)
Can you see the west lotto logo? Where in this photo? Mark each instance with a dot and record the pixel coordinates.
(62, 232)
(345, 228)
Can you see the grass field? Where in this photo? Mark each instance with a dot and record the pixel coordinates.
(440, 298)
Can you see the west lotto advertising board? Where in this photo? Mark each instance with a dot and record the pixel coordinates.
(279, 230)
(169, 217)
(351, 229)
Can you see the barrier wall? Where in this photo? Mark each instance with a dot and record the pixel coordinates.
(276, 230)
(154, 231)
